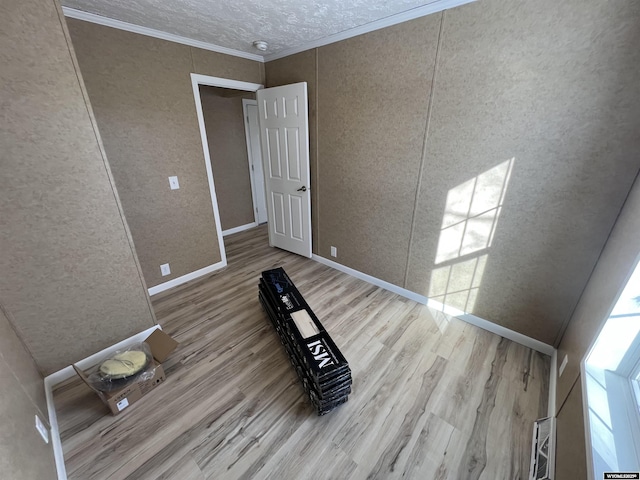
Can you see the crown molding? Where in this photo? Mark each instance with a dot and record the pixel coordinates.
(150, 32)
(433, 7)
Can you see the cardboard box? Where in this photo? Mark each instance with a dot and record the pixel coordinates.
(161, 346)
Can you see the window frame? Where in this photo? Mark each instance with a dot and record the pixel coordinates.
(623, 394)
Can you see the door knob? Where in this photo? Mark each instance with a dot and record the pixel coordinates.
(302, 189)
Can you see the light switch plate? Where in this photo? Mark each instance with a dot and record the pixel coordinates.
(42, 429)
(173, 183)
(565, 360)
(164, 269)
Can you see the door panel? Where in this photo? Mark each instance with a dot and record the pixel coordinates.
(271, 108)
(284, 128)
(295, 205)
(291, 106)
(279, 214)
(273, 152)
(293, 158)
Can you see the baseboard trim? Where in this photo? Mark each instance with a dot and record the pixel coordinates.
(553, 384)
(186, 278)
(373, 280)
(517, 337)
(239, 229)
(50, 381)
(465, 317)
(56, 444)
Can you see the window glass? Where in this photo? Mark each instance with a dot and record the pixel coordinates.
(612, 383)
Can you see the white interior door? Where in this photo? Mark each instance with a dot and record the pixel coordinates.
(284, 132)
(254, 151)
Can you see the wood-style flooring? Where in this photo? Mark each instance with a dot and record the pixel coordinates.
(433, 397)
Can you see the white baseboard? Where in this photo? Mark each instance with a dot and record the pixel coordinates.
(186, 278)
(66, 373)
(553, 384)
(239, 229)
(373, 280)
(465, 317)
(517, 337)
(56, 444)
(441, 307)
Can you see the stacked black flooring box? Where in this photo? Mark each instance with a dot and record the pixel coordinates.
(323, 370)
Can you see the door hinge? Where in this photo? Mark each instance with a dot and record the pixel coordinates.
(247, 117)
(252, 169)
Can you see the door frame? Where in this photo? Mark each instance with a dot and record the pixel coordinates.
(254, 196)
(197, 80)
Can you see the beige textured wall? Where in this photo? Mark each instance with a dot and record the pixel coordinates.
(224, 123)
(140, 90)
(216, 64)
(554, 86)
(294, 69)
(141, 93)
(610, 276)
(19, 361)
(23, 454)
(551, 85)
(615, 265)
(372, 112)
(70, 281)
(571, 455)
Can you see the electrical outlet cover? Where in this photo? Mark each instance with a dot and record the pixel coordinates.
(334, 252)
(164, 269)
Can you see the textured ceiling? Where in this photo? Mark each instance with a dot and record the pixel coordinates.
(236, 24)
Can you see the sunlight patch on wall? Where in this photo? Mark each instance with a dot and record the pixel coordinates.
(471, 213)
(457, 285)
(468, 226)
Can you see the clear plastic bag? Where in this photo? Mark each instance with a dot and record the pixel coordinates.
(131, 364)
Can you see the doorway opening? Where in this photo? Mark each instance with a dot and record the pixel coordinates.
(283, 136)
(233, 135)
(254, 153)
(228, 94)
